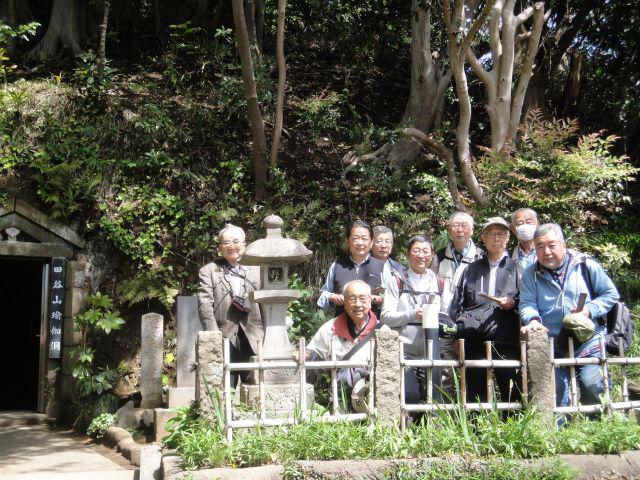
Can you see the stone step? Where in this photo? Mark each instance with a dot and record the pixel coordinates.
(21, 418)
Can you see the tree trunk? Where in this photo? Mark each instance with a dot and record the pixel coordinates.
(157, 18)
(259, 23)
(11, 20)
(535, 99)
(102, 49)
(457, 51)
(219, 12)
(201, 11)
(64, 28)
(282, 78)
(573, 86)
(567, 22)
(428, 84)
(504, 102)
(250, 20)
(253, 107)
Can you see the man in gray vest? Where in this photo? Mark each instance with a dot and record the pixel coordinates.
(449, 264)
(358, 264)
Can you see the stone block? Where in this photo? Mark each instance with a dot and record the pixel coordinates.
(387, 376)
(134, 454)
(151, 360)
(70, 338)
(162, 416)
(181, 396)
(128, 416)
(209, 368)
(75, 301)
(148, 417)
(188, 326)
(68, 362)
(125, 443)
(151, 462)
(114, 435)
(540, 374)
(68, 389)
(75, 276)
(279, 399)
(171, 467)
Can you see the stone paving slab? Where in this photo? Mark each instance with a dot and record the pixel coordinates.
(35, 451)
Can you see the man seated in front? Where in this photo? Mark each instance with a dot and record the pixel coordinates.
(344, 332)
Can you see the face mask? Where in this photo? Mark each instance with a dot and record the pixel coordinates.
(525, 232)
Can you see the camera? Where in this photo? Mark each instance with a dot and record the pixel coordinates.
(240, 304)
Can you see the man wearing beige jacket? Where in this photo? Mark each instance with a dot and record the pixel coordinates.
(223, 298)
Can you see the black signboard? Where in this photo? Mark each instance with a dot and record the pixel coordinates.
(56, 307)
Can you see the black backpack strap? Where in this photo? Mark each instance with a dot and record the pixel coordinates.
(362, 342)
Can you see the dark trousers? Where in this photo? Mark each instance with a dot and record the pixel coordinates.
(240, 353)
(477, 377)
(415, 379)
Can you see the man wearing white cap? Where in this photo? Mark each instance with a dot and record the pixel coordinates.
(484, 308)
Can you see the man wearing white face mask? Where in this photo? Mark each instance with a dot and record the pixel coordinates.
(524, 222)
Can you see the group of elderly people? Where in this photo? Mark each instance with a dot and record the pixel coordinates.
(462, 291)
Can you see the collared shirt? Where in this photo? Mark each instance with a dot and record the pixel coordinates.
(524, 259)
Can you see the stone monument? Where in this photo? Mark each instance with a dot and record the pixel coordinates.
(274, 255)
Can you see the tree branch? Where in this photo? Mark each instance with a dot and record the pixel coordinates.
(446, 154)
(524, 15)
(480, 71)
(475, 27)
(526, 70)
(494, 33)
(282, 78)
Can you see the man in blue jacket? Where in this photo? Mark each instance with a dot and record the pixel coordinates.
(550, 289)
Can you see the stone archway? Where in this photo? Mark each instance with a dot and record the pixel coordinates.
(33, 247)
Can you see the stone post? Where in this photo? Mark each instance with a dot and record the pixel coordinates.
(540, 374)
(387, 377)
(151, 360)
(188, 326)
(209, 368)
(76, 294)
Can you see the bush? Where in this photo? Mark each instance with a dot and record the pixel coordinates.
(99, 424)
(578, 185)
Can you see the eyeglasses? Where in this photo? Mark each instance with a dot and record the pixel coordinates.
(425, 251)
(383, 241)
(463, 226)
(355, 299)
(500, 235)
(228, 243)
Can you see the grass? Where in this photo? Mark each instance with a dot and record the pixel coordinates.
(481, 469)
(521, 436)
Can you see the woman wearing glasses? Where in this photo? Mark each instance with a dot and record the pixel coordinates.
(411, 303)
(223, 298)
(484, 308)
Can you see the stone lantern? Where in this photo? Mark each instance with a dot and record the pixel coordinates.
(274, 254)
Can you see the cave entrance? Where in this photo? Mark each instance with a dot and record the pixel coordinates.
(23, 310)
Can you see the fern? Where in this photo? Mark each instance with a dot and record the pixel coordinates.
(148, 285)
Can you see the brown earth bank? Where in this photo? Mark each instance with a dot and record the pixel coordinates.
(625, 466)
